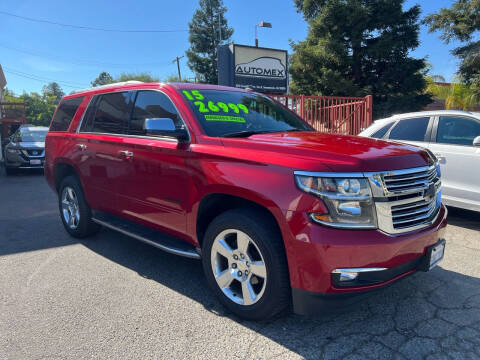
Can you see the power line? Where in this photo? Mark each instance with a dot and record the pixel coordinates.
(80, 62)
(90, 28)
(41, 78)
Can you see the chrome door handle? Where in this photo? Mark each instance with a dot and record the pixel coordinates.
(82, 147)
(126, 154)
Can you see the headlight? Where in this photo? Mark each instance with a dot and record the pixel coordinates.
(13, 151)
(348, 200)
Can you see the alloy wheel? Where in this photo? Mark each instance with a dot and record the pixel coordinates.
(238, 267)
(70, 208)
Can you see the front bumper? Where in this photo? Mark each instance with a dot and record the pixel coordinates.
(314, 252)
(22, 161)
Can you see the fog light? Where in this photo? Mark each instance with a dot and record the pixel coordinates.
(348, 276)
(352, 273)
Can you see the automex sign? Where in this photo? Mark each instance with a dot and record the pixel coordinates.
(260, 69)
(265, 66)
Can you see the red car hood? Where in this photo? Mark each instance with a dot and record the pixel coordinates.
(339, 153)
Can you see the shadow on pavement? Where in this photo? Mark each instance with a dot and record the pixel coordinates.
(410, 318)
(29, 217)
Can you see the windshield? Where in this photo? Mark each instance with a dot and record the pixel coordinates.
(30, 135)
(230, 113)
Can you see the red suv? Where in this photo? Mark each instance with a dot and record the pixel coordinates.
(278, 213)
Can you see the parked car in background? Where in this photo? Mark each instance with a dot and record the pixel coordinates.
(454, 138)
(278, 212)
(25, 149)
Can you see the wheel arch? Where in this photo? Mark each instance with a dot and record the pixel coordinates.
(214, 204)
(60, 171)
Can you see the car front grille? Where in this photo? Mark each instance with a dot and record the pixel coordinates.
(406, 200)
(33, 153)
(408, 181)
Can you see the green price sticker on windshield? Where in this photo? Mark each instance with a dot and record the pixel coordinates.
(225, 118)
(204, 105)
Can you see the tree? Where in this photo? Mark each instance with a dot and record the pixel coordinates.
(53, 89)
(208, 29)
(461, 22)
(142, 76)
(361, 47)
(103, 78)
(39, 107)
(457, 95)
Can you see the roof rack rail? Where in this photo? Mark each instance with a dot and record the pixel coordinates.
(107, 86)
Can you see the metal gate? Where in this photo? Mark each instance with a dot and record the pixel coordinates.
(331, 114)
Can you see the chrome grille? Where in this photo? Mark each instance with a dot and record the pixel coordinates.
(410, 181)
(411, 214)
(406, 200)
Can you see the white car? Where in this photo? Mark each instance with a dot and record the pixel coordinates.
(454, 138)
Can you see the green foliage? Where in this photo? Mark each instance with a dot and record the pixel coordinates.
(174, 78)
(142, 76)
(40, 107)
(207, 24)
(457, 95)
(361, 47)
(461, 22)
(9, 96)
(103, 78)
(53, 89)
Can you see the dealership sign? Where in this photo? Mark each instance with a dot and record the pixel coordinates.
(259, 69)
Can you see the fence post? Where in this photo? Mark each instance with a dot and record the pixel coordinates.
(368, 110)
(302, 106)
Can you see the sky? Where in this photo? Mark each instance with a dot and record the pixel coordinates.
(33, 54)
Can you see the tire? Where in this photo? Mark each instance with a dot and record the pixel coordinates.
(75, 213)
(265, 296)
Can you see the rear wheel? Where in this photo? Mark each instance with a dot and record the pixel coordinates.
(75, 213)
(245, 264)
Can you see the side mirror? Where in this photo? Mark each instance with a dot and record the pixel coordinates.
(165, 127)
(476, 141)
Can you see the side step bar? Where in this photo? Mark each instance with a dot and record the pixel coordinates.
(149, 236)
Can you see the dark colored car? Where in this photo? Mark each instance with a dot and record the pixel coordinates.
(278, 213)
(25, 149)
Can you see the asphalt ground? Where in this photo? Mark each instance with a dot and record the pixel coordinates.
(113, 297)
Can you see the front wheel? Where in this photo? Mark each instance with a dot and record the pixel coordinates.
(245, 264)
(75, 213)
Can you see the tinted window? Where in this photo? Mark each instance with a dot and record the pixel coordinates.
(113, 112)
(230, 113)
(89, 116)
(410, 129)
(151, 104)
(65, 113)
(457, 130)
(382, 131)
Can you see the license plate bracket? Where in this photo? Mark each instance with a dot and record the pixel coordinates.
(435, 254)
(36, 162)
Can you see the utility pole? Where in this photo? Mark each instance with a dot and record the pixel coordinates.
(177, 59)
